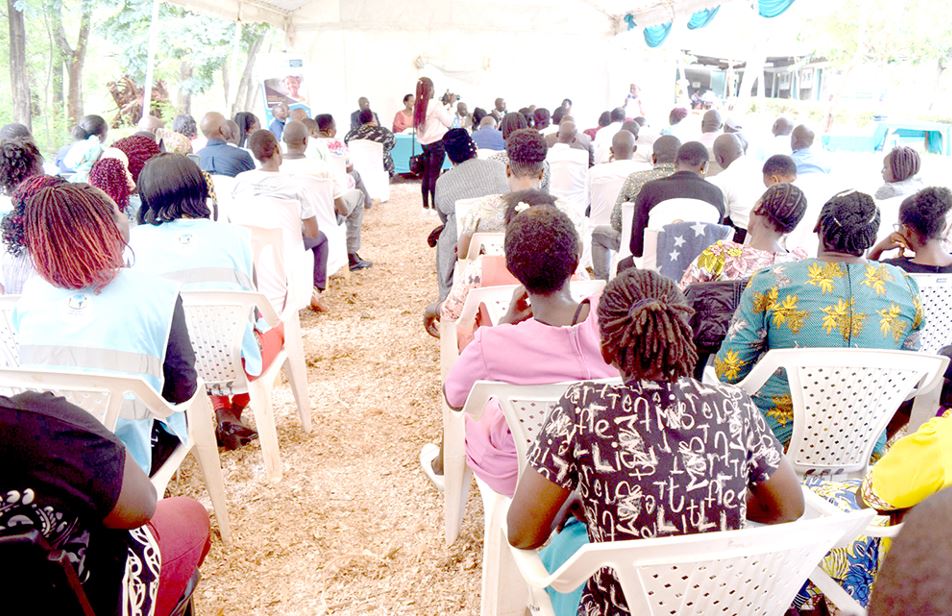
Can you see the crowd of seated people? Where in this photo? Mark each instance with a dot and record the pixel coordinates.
(85, 303)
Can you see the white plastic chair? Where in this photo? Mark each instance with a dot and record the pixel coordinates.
(103, 396)
(9, 349)
(935, 292)
(367, 158)
(462, 209)
(485, 243)
(322, 191)
(224, 188)
(682, 210)
(750, 571)
(843, 399)
(484, 154)
(217, 321)
(624, 246)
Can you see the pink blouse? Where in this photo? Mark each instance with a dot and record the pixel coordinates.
(528, 353)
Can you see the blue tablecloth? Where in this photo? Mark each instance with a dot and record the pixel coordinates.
(401, 153)
(937, 137)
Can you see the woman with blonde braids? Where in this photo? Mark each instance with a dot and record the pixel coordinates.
(85, 310)
(640, 457)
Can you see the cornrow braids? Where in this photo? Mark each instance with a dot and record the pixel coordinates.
(783, 205)
(72, 237)
(926, 211)
(644, 322)
(12, 224)
(109, 176)
(138, 150)
(849, 223)
(903, 163)
(19, 159)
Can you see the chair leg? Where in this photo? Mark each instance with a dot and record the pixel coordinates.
(296, 370)
(206, 452)
(260, 393)
(457, 476)
(503, 591)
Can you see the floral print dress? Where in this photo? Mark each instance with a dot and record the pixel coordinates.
(726, 260)
(816, 304)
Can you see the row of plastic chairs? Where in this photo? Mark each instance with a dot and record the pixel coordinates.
(685, 575)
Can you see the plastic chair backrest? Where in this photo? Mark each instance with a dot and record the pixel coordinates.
(682, 210)
(43, 581)
(486, 243)
(217, 322)
(484, 154)
(9, 349)
(935, 293)
(843, 398)
(604, 191)
(322, 191)
(367, 158)
(749, 571)
(568, 177)
(463, 208)
(224, 189)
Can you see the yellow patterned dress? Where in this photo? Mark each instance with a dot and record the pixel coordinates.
(816, 304)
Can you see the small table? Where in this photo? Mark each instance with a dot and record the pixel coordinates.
(406, 147)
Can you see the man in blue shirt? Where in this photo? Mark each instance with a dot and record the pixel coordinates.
(281, 113)
(487, 137)
(218, 156)
(801, 142)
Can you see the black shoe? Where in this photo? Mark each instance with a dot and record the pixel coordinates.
(356, 263)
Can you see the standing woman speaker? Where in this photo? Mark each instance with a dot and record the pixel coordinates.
(431, 121)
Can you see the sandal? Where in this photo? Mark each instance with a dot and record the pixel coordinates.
(231, 434)
(428, 453)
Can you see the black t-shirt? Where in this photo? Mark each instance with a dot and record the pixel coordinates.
(62, 474)
(912, 267)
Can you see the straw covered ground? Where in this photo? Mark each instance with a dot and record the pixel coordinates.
(354, 527)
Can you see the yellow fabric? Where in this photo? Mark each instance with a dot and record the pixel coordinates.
(916, 467)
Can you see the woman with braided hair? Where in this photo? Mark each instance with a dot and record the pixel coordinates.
(110, 176)
(85, 310)
(19, 160)
(900, 169)
(777, 213)
(627, 453)
(15, 264)
(838, 299)
(923, 228)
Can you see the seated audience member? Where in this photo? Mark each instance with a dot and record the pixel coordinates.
(603, 139)
(469, 178)
(138, 151)
(604, 119)
(362, 105)
(334, 151)
(404, 118)
(478, 114)
(176, 143)
(15, 130)
(578, 141)
(543, 121)
(348, 204)
(499, 109)
(487, 137)
(781, 130)
(838, 299)
(133, 554)
(370, 131)
(280, 112)
(620, 161)
(808, 161)
(510, 124)
(463, 118)
(712, 126)
(779, 169)
(922, 229)
(111, 176)
(90, 134)
(645, 335)
(15, 264)
(218, 156)
(247, 123)
(177, 240)
(86, 311)
(19, 160)
(546, 337)
(900, 169)
(296, 220)
(297, 115)
(776, 213)
(686, 182)
(737, 179)
(916, 577)
(677, 124)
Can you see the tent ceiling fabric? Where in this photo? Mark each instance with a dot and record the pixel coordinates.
(317, 14)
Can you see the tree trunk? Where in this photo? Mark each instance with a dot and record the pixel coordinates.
(245, 88)
(19, 78)
(74, 59)
(185, 94)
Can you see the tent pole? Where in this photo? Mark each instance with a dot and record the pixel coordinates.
(150, 62)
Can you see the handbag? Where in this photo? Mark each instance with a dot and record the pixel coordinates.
(416, 160)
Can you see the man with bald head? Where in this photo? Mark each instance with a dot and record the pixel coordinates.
(608, 238)
(568, 167)
(579, 141)
(740, 180)
(808, 161)
(362, 105)
(218, 157)
(605, 182)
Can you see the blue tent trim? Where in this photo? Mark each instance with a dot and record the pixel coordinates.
(701, 18)
(772, 8)
(655, 35)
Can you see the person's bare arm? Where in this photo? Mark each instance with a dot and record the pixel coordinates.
(339, 206)
(777, 500)
(462, 246)
(534, 510)
(136, 503)
(310, 227)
